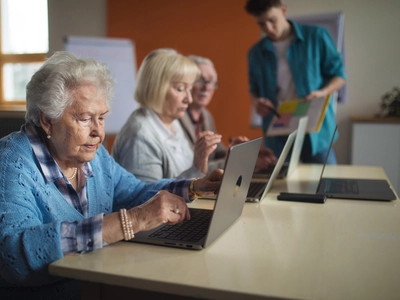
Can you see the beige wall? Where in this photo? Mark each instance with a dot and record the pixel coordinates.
(372, 56)
(75, 17)
(371, 39)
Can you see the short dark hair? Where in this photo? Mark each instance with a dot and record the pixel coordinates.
(258, 7)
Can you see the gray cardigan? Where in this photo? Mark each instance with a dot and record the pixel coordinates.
(139, 150)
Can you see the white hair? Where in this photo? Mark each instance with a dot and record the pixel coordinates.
(51, 88)
(201, 60)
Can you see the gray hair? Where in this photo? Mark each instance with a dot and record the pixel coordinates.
(51, 88)
(201, 60)
(198, 60)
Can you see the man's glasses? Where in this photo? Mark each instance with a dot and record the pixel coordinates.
(202, 83)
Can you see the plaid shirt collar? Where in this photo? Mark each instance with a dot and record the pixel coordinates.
(49, 166)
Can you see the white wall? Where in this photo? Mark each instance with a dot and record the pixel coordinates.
(372, 30)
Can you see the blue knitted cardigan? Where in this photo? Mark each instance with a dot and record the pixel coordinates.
(31, 209)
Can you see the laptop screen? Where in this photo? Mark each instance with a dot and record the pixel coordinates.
(327, 155)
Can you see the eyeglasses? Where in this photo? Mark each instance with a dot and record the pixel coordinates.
(202, 83)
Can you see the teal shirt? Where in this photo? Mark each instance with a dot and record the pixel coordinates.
(313, 60)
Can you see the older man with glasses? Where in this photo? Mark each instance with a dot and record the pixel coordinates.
(198, 118)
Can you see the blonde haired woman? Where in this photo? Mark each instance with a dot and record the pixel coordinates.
(152, 144)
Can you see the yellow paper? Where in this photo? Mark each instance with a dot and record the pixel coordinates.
(291, 111)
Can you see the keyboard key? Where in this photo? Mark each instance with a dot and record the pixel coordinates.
(193, 230)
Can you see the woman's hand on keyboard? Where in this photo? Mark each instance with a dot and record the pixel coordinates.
(164, 207)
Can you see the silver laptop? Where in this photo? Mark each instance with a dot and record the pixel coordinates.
(361, 189)
(298, 145)
(258, 189)
(205, 225)
(288, 167)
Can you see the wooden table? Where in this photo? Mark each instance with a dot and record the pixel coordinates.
(343, 249)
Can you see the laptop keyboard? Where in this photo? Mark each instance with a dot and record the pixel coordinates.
(266, 173)
(188, 231)
(339, 186)
(269, 169)
(255, 189)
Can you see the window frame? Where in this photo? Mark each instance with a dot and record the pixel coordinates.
(19, 104)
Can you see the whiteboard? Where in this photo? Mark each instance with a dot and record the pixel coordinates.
(119, 56)
(334, 22)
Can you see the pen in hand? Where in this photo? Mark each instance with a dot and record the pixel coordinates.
(265, 104)
(273, 110)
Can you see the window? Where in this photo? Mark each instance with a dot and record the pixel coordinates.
(24, 46)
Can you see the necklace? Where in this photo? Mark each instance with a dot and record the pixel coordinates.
(73, 175)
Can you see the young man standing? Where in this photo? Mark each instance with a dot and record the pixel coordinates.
(293, 61)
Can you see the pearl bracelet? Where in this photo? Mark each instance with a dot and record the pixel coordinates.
(126, 225)
(191, 189)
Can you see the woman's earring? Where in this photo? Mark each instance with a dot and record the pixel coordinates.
(48, 136)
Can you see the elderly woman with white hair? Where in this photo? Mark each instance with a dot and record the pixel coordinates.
(62, 193)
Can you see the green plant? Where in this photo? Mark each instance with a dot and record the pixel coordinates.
(390, 103)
